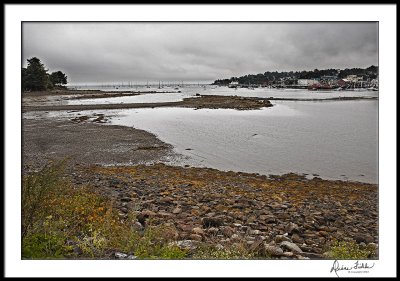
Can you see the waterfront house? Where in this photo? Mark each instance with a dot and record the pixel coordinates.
(233, 84)
(306, 82)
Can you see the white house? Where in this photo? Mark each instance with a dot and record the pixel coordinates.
(233, 84)
(306, 82)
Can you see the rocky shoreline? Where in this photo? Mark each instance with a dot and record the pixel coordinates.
(284, 217)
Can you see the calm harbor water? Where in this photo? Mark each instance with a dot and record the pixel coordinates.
(335, 140)
(191, 91)
(331, 139)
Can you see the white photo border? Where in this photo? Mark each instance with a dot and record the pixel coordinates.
(16, 14)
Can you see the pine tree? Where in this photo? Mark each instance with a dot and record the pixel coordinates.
(34, 77)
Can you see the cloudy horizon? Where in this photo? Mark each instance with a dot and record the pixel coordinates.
(140, 52)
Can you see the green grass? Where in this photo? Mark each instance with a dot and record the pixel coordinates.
(349, 251)
(58, 217)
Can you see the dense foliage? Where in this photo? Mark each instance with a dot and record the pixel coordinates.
(36, 78)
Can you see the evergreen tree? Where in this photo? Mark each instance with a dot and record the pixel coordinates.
(58, 78)
(34, 77)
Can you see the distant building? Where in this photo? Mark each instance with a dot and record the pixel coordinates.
(353, 78)
(306, 82)
(233, 84)
(374, 83)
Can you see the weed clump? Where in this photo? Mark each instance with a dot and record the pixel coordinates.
(61, 221)
(349, 250)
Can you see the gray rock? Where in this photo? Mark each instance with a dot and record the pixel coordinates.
(213, 230)
(249, 243)
(288, 254)
(227, 231)
(292, 228)
(273, 251)
(250, 238)
(297, 239)
(254, 232)
(138, 226)
(291, 247)
(235, 237)
(185, 244)
(198, 230)
(300, 257)
(281, 238)
(120, 256)
(177, 210)
(196, 237)
(122, 215)
(372, 246)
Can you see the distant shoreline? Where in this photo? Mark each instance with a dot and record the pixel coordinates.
(201, 101)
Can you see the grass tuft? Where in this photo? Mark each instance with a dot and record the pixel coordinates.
(349, 250)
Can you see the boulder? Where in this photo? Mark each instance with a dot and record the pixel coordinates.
(292, 247)
(273, 251)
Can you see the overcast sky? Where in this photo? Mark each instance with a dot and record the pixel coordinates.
(140, 52)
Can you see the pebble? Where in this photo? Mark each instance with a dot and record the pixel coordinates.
(292, 228)
(198, 230)
(297, 239)
(281, 238)
(235, 237)
(186, 244)
(196, 237)
(119, 255)
(254, 232)
(177, 210)
(213, 230)
(227, 231)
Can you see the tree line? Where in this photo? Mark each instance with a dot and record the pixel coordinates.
(35, 77)
(368, 73)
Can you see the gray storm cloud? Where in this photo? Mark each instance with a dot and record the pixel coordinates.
(138, 52)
